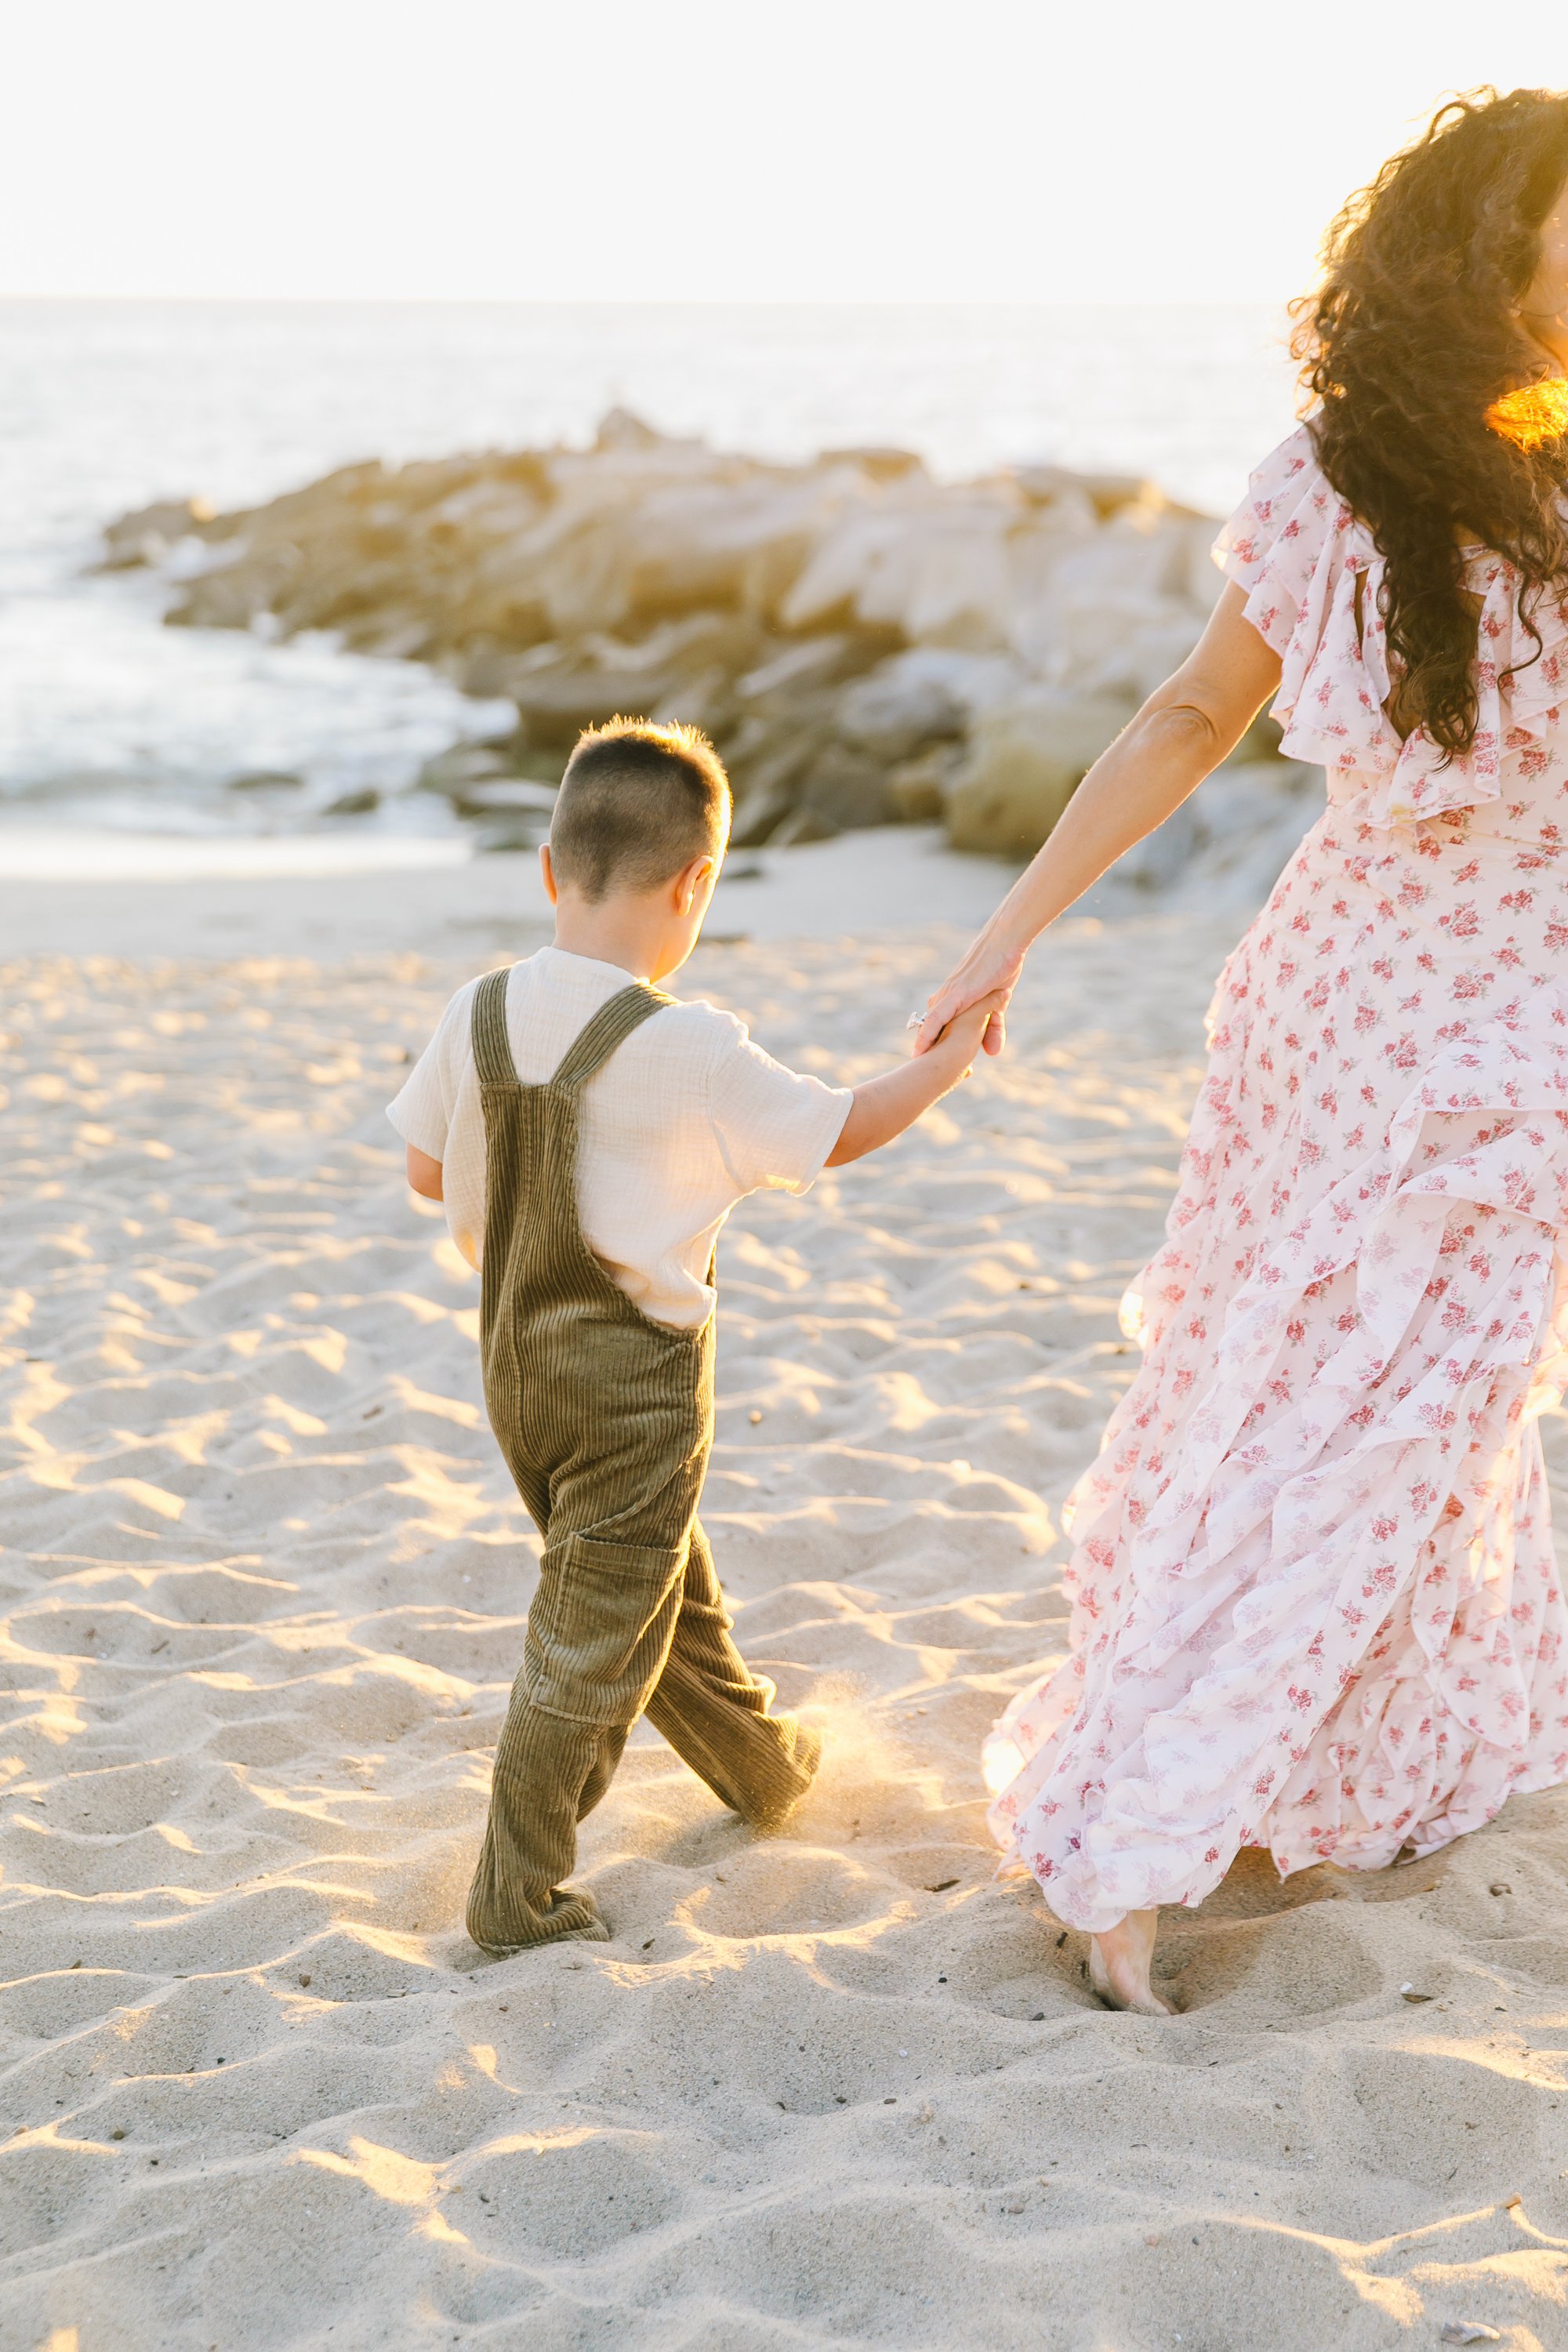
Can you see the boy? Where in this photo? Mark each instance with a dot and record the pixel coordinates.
(589, 1136)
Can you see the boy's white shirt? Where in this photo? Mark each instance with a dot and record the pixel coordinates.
(686, 1118)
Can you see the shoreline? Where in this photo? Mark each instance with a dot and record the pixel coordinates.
(861, 885)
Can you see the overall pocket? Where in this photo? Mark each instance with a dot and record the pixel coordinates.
(600, 1628)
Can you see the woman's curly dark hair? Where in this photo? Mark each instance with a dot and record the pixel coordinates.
(1411, 338)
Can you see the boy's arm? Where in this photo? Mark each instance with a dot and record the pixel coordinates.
(884, 1107)
(423, 1174)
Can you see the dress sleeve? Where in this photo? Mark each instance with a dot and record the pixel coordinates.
(1313, 578)
(773, 1127)
(1273, 544)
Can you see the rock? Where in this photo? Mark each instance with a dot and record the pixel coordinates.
(930, 563)
(266, 780)
(87, 784)
(927, 695)
(680, 672)
(371, 549)
(880, 464)
(1028, 757)
(801, 668)
(619, 428)
(702, 642)
(804, 825)
(237, 593)
(1224, 847)
(917, 798)
(768, 760)
(628, 539)
(1108, 494)
(558, 696)
(516, 838)
(505, 796)
(1114, 616)
(514, 829)
(760, 810)
(785, 720)
(919, 788)
(1202, 579)
(1261, 742)
(1155, 862)
(395, 635)
(845, 789)
(360, 803)
(463, 766)
(151, 533)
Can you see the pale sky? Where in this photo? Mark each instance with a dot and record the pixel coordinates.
(714, 150)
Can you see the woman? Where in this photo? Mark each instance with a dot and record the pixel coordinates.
(1314, 1602)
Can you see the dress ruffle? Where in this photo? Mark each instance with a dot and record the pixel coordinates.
(1297, 548)
(1325, 1628)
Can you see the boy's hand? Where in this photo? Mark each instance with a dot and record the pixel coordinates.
(886, 1106)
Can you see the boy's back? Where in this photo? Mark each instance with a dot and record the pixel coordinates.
(685, 1118)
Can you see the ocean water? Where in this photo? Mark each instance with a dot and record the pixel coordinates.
(111, 724)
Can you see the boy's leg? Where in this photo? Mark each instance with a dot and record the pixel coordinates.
(598, 1634)
(714, 1711)
(548, 1774)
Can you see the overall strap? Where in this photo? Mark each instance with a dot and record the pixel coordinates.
(492, 1048)
(609, 1027)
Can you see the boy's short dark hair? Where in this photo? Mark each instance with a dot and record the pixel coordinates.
(636, 805)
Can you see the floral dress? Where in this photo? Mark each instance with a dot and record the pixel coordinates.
(1314, 1602)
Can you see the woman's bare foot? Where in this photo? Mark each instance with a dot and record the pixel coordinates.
(1119, 1961)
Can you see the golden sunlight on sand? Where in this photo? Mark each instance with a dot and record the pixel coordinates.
(264, 1584)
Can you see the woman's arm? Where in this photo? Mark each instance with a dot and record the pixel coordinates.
(1183, 730)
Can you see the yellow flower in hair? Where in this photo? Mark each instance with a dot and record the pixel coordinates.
(1534, 415)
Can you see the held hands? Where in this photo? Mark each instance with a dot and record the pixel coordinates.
(887, 1104)
(960, 1037)
(987, 976)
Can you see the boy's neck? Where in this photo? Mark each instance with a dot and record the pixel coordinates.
(625, 931)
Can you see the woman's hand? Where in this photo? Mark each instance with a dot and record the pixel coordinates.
(990, 968)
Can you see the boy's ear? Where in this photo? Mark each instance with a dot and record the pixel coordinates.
(689, 881)
(547, 872)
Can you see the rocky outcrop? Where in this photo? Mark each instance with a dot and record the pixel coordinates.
(865, 644)
(1031, 753)
(150, 534)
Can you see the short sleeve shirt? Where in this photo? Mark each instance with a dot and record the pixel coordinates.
(686, 1118)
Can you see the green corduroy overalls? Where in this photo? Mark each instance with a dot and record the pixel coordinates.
(606, 1419)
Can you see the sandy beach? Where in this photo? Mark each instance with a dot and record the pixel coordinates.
(265, 1578)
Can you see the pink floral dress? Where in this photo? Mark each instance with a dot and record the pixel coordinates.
(1314, 1602)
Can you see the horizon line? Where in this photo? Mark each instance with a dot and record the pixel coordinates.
(660, 302)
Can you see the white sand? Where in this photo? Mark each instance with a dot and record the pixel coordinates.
(265, 1578)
